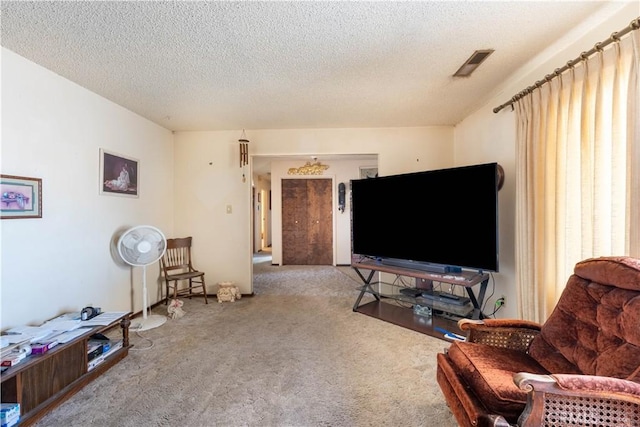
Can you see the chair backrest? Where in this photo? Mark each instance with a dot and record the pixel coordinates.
(595, 327)
(177, 258)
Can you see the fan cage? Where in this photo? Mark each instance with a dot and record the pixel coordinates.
(142, 245)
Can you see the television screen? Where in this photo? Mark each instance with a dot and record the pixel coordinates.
(446, 217)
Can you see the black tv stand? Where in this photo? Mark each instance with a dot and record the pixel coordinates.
(402, 314)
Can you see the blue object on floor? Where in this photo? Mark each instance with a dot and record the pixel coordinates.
(449, 335)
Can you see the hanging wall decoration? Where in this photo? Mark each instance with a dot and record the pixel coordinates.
(244, 153)
(21, 197)
(316, 168)
(119, 174)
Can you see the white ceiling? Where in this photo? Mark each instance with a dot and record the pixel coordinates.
(231, 65)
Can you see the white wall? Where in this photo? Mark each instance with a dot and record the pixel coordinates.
(484, 136)
(399, 149)
(53, 129)
(223, 242)
(208, 178)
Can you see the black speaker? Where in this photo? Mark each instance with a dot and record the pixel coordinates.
(341, 197)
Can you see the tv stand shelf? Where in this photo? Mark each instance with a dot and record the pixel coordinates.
(401, 313)
(40, 383)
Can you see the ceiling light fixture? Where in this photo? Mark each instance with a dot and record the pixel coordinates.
(473, 62)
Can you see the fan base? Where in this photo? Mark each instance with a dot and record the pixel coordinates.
(152, 321)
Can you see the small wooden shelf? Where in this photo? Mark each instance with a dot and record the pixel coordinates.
(42, 382)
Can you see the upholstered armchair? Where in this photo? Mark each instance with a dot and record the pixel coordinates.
(581, 367)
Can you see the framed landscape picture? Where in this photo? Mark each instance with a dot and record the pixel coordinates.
(118, 174)
(21, 197)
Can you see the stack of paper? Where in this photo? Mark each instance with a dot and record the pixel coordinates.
(12, 339)
(11, 343)
(32, 333)
(62, 329)
(65, 337)
(62, 325)
(103, 319)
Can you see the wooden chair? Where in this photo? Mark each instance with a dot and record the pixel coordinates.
(177, 267)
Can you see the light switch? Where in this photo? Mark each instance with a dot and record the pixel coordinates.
(229, 210)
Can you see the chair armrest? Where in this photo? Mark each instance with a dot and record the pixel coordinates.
(504, 333)
(579, 399)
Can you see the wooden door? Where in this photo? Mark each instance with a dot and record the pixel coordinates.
(294, 221)
(307, 222)
(320, 222)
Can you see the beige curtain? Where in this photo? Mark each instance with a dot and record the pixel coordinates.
(578, 173)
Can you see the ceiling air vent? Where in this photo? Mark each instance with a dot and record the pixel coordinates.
(473, 62)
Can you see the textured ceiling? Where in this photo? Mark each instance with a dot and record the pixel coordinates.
(268, 65)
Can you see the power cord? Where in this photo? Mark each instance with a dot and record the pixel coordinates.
(487, 298)
(149, 347)
(498, 305)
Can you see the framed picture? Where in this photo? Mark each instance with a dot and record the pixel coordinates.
(368, 172)
(21, 197)
(118, 174)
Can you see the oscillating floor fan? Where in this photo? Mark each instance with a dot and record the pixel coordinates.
(139, 247)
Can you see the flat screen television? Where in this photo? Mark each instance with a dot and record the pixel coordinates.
(439, 220)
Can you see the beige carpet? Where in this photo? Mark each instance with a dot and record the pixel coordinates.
(295, 354)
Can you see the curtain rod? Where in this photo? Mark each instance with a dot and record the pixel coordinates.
(634, 25)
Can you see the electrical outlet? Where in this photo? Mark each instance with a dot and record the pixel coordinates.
(500, 301)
